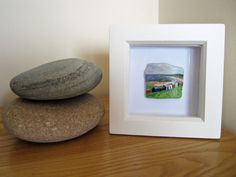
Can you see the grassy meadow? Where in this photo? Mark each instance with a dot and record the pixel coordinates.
(173, 93)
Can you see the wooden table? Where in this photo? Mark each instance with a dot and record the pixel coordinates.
(100, 154)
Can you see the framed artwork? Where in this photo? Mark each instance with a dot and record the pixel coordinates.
(167, 80)
(163, 80)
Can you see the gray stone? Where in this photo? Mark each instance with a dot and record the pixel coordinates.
(52, 121)
(57, 80)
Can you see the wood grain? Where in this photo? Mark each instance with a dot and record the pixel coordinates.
(100, 154)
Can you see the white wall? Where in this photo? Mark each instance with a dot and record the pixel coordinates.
(210, 11)
(33, 32)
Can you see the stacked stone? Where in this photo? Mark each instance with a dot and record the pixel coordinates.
(54, 104)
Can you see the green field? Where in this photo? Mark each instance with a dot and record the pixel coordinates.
(174, 93)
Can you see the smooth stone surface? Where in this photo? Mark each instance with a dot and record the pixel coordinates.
(57, 80)
(52, 121)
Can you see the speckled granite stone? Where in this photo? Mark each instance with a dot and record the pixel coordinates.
(52, 121)
(57, 80)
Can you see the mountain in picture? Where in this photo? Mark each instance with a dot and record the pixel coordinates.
(163, 80)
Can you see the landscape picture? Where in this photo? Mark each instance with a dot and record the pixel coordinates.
(163, 80)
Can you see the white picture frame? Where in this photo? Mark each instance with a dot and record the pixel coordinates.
(207, 122)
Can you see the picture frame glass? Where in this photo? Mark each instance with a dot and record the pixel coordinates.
(163, 80)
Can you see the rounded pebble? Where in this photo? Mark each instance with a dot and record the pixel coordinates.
(52, 121)
(60, 79)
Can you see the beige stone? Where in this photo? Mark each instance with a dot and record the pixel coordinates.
(52, 121)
